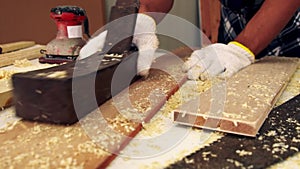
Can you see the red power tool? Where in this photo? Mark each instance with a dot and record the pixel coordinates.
(69, 39)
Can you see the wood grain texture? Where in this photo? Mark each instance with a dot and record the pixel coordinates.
(242, 103)
(6, 99)
(27, 53)
(277, 140)
(95, 140)
(9, 47)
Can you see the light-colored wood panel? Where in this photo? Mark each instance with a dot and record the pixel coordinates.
(28, 53)
(9, 47)
(92, 142)
(241, 104)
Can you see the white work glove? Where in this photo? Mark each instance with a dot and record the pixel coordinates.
(144, 37)
(94, 45)
(218, 60)
(147, 42)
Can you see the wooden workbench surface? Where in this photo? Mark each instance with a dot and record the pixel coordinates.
(89, 143)
(93, 142)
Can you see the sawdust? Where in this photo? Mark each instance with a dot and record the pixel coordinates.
(91, 147)
(162, 121)
(8, 120)
(236, 163)
(183, 95)
(29, 149)
(6, 74)
(178, 155)
(121, 124)
(267, 93)
(22, 63)
(9, 126)
(290, 163)
(243, 153)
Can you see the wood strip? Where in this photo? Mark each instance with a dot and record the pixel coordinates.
(6, 99)
(94, 141)
(5, 92)
(9, 47)
(247, 100)
(28, 53)
(277, 140)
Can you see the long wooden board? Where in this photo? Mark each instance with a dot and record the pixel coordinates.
(277, 142)
(241, 104)
(29, 53)
(96, 140)
(14, 46)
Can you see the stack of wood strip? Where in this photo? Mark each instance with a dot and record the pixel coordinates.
(19, 50)
(9, 54)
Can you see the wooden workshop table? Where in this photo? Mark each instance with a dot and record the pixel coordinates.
(25, 144)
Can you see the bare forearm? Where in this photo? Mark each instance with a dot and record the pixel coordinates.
(267, 23)
(156, 6)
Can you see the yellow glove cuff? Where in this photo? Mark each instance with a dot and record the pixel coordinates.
(243, 47)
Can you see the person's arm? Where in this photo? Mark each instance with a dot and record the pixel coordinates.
(227, 59)
(144, 34)
(267, 24)
(160, 6)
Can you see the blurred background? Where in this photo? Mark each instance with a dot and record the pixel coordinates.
(29, 20)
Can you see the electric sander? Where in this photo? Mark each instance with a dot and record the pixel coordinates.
(69, 39)
(65, 93)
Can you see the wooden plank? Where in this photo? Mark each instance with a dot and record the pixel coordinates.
(241, 104)
(277, 142)
(96, 140)
(6, 99)
(28, 53)
(9, 47)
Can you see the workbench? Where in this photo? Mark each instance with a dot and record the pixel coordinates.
(197, 147)
(192, 145)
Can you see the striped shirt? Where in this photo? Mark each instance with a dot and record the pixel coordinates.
(235, 14)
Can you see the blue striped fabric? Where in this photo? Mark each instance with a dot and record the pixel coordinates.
(235, 16)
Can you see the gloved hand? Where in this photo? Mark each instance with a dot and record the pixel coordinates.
(92, 46)
(147, 42)
(218, 59)
(144, 38)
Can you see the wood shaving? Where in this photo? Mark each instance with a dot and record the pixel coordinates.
(243, 153)
(121, 124)
(9, 126)
(6, 74)
(22, 63)
(236, 163)
(8, 120)
(91, 147)
(162, 120)
(290, 163)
